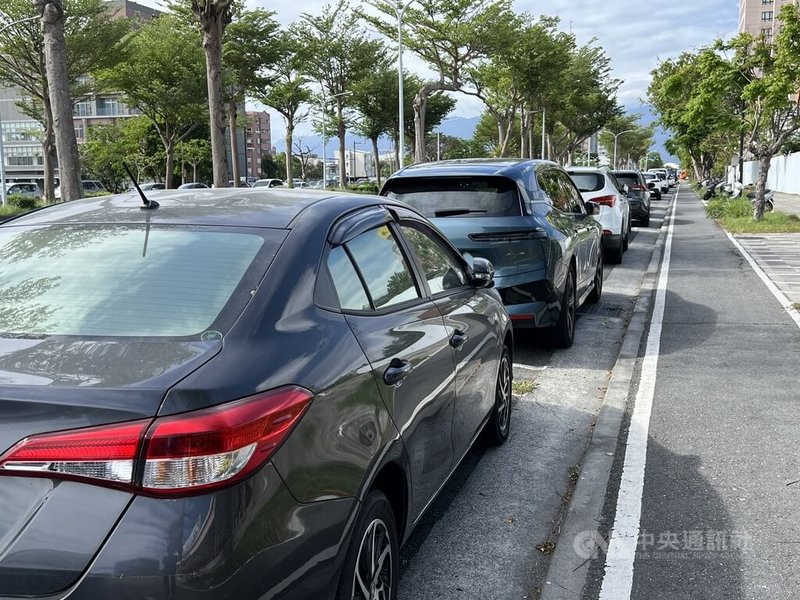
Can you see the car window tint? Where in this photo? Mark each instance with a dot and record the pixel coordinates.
(346, 281)
(571, 194)
(588, 182)
(442, 271)
(125, 280)
(458, 196)
(383, 266)
(629, 179)
(550, 184)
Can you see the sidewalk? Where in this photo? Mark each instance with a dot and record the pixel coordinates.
(787, 203)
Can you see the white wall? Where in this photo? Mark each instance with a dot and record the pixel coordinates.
(784, 174)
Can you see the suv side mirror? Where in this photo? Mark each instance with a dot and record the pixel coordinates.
(592, 208)
(481, 271)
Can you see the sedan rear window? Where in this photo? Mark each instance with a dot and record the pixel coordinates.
(127, 280)
(437, 197)
(588, 182)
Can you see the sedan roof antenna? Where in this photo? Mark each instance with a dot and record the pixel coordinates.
(148, 204)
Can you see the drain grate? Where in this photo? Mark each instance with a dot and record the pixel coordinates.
(602, 309)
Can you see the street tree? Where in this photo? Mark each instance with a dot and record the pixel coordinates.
(288, 93)
(194, 152)
(375, 99)
(251, 47)
(338, 54)
(303, 153)
(55, 60)
(450, 36)
(162, 76)
(438, 106)
(93, 42)
(771, 74)
(633, 140)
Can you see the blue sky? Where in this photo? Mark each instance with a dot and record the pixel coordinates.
(636, 35)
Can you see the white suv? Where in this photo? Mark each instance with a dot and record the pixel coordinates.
(90, 186)
(600, 186)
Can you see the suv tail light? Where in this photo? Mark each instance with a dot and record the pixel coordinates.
(177, 454)
(606, 200)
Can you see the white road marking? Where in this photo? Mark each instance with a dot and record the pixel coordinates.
(621, 553)
(781, 297)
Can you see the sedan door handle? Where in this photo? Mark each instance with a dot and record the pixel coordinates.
(458, 338)
(397, 371)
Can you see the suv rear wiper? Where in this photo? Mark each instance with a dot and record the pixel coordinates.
(455, 212)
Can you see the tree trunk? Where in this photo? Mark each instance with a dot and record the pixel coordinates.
(377, 160)
(289, 173)
(525, 134)
(764, 163)
(213, 20)
(233, 131)
(194, 172)
(169, 150)
(420, 106)
(48, 144)
(55, 50)
(397, 152)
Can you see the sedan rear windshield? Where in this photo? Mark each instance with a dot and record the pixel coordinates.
(458, 196)
(128, 280)
(589, 182)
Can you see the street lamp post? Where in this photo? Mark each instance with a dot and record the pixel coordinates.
(2, 149)
(616, 137)
(400, 10)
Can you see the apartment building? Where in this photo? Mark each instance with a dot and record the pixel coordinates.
(258, 141)
(759, 17)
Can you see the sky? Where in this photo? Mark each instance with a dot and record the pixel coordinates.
(636, 34)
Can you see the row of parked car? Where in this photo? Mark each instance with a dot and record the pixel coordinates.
(257, 393)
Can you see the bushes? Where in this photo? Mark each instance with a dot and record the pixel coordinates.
(726, 206)
(23, 202)
(364, 188)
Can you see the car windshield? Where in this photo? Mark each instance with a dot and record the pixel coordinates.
(127, 280)
(588, 182)
(629, 179)
(458, 196)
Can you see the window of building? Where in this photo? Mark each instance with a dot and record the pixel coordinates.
(766, 16)
(80, 132)
(767, 32)
(766, 1)
(21, 131)
(24, 156)
(108, 107)
(82, 109)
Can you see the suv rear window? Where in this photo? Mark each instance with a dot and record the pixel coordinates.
(458, 196)
(127, 281)
(629, 179)
(588, 182)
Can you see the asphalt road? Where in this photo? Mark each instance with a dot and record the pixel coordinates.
(721, 497)
(479, 538)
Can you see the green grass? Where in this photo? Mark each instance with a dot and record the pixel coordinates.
(10, 210)
(773, 222)
(520, 387)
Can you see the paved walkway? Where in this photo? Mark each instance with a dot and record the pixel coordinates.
(778, 254)
(788, 203)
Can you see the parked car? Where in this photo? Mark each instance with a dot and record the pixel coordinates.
(204, 399)
(638, 195)
(528, 219)
(671, 181)
(601, 187)
(22, 188)
(653, 184)
(661, 180)
(193, 185)
(90, 186)
(268, 183)
(146, 187)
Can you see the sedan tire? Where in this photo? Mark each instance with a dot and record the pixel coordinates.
(645, 222)
(597, 292)
(372, 568)
(496, 431)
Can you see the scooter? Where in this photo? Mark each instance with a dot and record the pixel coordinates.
(769, 200)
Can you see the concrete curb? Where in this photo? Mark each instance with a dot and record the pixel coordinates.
(578, 539)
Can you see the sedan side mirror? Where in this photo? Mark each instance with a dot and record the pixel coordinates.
(592, 208)
(481, 271)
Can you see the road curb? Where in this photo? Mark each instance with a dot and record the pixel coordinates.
(578, 538)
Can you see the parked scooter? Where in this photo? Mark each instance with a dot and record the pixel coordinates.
(769, 199)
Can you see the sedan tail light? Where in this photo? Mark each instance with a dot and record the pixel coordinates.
(638, 187)
(177, 454)
(606, 200)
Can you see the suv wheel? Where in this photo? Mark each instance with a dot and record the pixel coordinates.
(562, 334)
(371, 568)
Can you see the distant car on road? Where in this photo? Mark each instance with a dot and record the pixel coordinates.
(268, 183)
(638, 195)
(204, 400)
(667, 173)
(146, 187)
(193, 185)
(90, 186)
(529, 220)
(660, 181)
(600, 186)
(30, 190)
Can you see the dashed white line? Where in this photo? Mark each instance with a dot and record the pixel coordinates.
(621, 553)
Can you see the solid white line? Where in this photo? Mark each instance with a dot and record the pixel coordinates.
(785, 302)
(621, 553)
